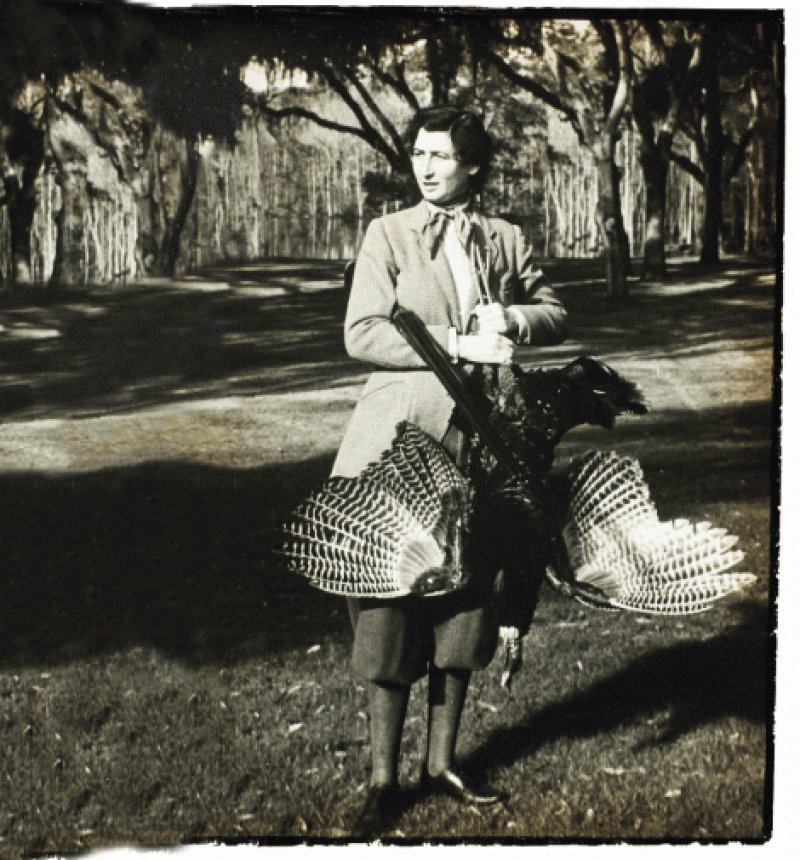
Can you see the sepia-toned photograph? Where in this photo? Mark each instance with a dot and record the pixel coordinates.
(389, 425)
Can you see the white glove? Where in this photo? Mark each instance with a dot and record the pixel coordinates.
(493, 318)
(489, 348)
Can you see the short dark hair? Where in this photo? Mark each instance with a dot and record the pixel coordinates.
(471, 141)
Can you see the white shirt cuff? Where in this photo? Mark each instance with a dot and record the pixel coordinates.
(452, 344)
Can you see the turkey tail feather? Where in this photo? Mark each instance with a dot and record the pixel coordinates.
(396, 529)
(622, 556)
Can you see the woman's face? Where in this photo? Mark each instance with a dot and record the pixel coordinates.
(439, 174)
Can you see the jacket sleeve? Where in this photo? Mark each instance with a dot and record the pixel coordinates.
(369, 334)
(545, 317)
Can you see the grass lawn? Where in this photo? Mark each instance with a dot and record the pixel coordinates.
(163, 683)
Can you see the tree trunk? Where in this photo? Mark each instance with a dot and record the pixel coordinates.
(622, 237)
(171, 249)
(21, 211)
(25, 145)
(546, 198)
(655, 167)
(767, 185)
(69, 265)
(715, 144)
(609, 219)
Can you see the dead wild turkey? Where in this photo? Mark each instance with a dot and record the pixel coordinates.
(396, 529)
(413, 523)
(617, 554)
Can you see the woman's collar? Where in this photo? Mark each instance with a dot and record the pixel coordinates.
(461, 203)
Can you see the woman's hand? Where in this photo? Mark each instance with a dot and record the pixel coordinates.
(493, 319)
(486, 348)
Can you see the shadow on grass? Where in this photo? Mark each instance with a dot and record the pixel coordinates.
(734, 303)
(284, 273)
(696, 683)
(730, 424)
(178, 556)
(88, 351)
(277, 326)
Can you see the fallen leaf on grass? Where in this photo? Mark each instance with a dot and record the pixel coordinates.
(284, 693)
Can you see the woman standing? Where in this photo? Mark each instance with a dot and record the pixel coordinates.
(438, 259)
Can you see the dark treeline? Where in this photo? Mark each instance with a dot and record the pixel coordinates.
(142, 141)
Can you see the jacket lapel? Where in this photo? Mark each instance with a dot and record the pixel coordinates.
(490, 249)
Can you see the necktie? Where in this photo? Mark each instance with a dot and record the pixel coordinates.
(437, 223)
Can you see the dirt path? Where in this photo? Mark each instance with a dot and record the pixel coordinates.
(235, 432)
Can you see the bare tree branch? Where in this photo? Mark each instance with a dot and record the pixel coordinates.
(370, 102)
(78, 115)
(312, 116)
(740, 149)
(686, 163)
(370, 133)
(530, 85)
(623, 89)
(397, 81)
(656, 36)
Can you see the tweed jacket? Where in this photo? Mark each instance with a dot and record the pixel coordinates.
(395, 267)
